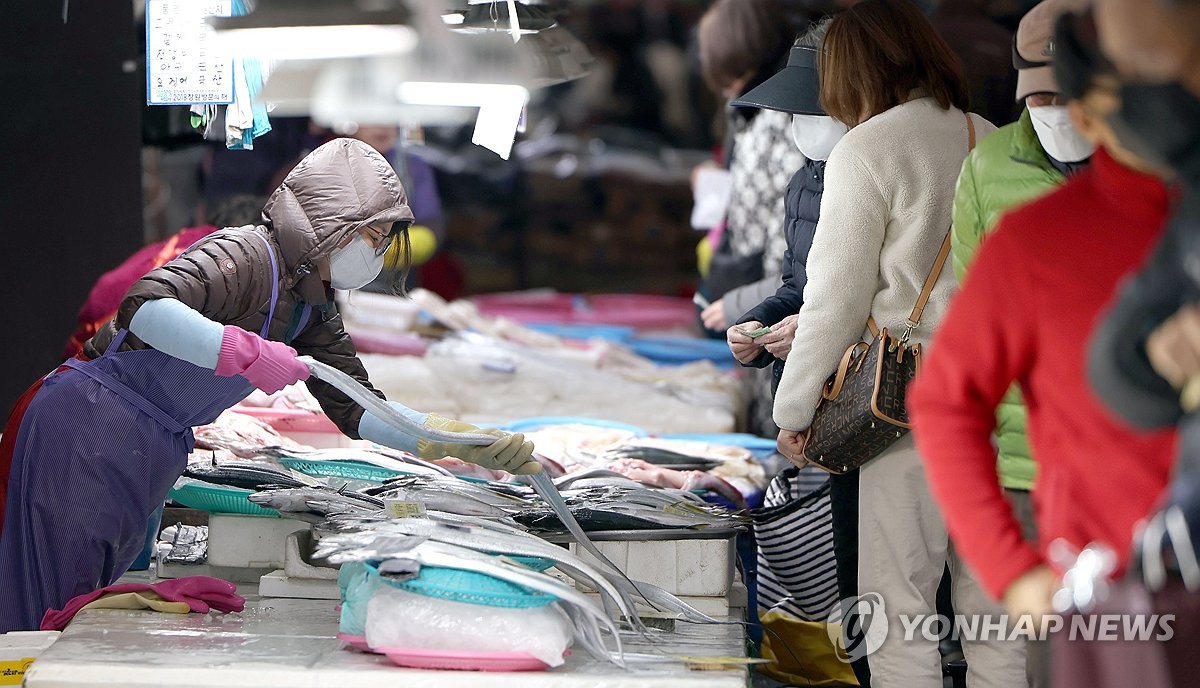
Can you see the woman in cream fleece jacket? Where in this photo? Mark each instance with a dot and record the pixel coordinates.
(889, 189)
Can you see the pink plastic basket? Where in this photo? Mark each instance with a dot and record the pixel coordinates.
(463, 661)
(291, 420)
(358, 642)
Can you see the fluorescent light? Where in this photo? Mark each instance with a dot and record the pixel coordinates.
(453, 18)
(459, 94)
(320, 42)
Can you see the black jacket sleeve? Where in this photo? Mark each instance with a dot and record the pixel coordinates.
(784, 302)
(1118, 368)
(327, 341)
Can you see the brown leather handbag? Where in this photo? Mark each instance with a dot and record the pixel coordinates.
(862, 408)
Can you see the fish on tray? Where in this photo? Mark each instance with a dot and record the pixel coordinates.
(245, 474)
(241, 434)
(453, 495)
(663, 458)
(314, 503)
(608, 517)
(648, 473)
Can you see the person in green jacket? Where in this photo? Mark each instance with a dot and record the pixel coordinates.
(1014, 165)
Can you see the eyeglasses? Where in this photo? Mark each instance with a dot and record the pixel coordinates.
(376, 238)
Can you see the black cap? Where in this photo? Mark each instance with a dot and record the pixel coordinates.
(793, 89)
(1077, 57)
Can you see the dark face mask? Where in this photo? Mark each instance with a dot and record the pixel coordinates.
(1160, 123)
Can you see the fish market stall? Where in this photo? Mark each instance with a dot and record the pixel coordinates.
(368, 565)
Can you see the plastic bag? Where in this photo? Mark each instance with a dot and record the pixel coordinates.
(183, 544)
(357, 586)
(401, 619)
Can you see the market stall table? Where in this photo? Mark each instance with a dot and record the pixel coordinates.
(291, 642)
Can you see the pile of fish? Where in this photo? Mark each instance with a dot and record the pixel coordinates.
(487, 547)
(235, 436)
(731, 472)
(623, 504)
(612, 480)
(246, 474)
(240, 435)
(600, 503)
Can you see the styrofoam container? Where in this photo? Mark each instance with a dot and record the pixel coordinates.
(249, 541)
(18, 650)
(297, 564)
(279, 584)
(690, 567)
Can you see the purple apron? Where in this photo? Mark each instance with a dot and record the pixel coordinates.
(96, 452)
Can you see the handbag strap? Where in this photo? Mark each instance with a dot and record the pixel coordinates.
(914, 318)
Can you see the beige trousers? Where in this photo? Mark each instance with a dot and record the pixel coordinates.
(903, 550)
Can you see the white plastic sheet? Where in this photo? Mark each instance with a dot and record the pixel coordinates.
(400, 619)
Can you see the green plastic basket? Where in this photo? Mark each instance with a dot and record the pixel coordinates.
(218, 499)
(535, 563)
(355, 470)
(350, 470)
(469, 587)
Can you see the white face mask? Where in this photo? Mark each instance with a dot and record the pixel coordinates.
(816, 135)
(1058, 136)
(354, 266)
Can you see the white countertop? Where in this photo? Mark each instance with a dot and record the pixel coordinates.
(290, 642)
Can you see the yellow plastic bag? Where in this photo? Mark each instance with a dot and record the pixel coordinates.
(809, 658)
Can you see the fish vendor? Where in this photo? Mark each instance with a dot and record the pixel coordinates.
(92, 448)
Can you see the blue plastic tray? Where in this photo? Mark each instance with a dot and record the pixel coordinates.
(678, 350)
(468, 586)
(612, 333)
(218, 499)
(531, 424)
(350, 470)
(759, 446)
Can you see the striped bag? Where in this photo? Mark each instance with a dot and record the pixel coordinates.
(794, 531)
(797, 581)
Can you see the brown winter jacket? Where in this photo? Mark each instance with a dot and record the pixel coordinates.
(338, 188)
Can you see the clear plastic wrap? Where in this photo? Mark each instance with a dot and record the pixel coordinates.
(357, 586)
(401, 619)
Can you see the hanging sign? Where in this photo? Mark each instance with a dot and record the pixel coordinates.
(185, 63)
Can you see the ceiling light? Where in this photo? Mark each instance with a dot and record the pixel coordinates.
(318, 29)
(493, 16)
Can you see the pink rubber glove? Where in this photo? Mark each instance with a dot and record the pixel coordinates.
(201, 593)
(269, 366)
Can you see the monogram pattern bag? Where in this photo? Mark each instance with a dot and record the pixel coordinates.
(862, 408)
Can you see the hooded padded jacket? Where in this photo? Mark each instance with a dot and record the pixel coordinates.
(339, 188)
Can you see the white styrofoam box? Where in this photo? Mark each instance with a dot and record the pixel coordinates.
(233, 574)
(279, 584)
(249, 541)
(731, 605)
(18, 650)
(296, 563)
(693, 567)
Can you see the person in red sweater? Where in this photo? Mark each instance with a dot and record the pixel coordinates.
(1023, 315)
(106, 294)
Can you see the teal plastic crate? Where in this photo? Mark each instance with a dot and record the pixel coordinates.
(356, 470)
(350, 470)
(468, 586)
(218, 499)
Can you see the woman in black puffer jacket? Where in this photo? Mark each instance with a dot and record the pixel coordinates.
(795, 90)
